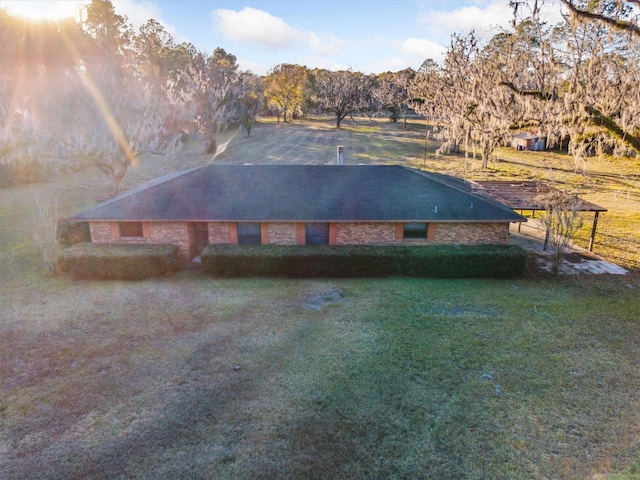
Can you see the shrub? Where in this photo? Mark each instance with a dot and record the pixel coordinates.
(118, 262)
(465, 261)
(364, 261)
(212, 146)
(71, 232)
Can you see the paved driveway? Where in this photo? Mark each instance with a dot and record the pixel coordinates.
(579, 260)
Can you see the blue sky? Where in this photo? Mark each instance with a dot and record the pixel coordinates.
(371, 36)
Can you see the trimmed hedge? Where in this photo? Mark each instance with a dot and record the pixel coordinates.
(464, 261)
(118, 262)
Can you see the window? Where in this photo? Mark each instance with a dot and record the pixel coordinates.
(249, 233)
(415, 231)
(130, 229)
(317, 233)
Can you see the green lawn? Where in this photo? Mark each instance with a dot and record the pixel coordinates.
(193, 377)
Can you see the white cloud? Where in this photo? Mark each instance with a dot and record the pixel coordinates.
(258, 27)
(484, 19)
(417, 50)
(328, 44)
(487, 18)
(419, 47)
(255, 26)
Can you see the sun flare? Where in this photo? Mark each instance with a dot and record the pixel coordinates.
(43, 10)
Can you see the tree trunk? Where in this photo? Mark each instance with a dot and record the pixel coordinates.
(115, 184)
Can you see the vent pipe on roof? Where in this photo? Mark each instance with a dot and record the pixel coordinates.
(340, 159)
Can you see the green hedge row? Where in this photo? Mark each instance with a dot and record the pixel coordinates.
(118, 262)
(465, 261)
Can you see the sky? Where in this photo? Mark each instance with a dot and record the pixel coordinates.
(370, 36)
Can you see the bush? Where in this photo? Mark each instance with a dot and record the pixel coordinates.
(212, 146)
(364, 261)
(118, 262)
(72, 232)
(465, 261)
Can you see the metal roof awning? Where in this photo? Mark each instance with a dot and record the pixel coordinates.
(524, 196)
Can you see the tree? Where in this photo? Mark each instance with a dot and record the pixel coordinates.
(111, 33)
(30, 54)
(580, 77)
(611, 13)
(601, 95)
(343, 92)
(212, 85)
(45, 232)
(561, 221)
(248, 95)
(285, 88)
(465, 99)
(108, 121)
(154, 47)
(392, 93)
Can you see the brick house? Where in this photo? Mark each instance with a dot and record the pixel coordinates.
(298, 205)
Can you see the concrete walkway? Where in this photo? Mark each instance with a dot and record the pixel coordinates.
(578, 260)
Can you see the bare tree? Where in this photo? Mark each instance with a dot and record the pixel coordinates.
(614, 14)
(465, 99)
(561, 221)
(343, 92)
(578, 80)
(392, 93)
(248, 95)
(212, 98)
(31, 54)
(45, 232)
(107, 120)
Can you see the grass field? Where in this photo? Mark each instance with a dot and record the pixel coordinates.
(191, 377)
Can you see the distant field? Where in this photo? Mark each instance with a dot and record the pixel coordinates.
(191, 377)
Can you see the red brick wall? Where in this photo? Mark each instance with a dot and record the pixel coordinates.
(183, 234)
(445, 233)
(365, 233)
(219, 233)
(177, 233)
(283, 234)
(472, 234)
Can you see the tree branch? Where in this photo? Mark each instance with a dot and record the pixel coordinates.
(612, 22)
(527, 93)
(613, 128)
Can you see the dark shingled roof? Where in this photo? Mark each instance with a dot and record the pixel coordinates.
(302, 193)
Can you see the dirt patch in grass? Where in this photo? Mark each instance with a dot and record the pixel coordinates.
(326, 296)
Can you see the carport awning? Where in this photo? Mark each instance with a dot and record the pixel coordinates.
(524, 196)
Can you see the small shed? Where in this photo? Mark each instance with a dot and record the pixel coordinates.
(528, 141)
(523, 196)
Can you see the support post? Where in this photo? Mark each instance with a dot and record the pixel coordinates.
(593, 231)
(547, 235)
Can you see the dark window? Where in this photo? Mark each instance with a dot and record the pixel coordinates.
(249, 233)
(130, 229)
(415, 231)
(317, 234)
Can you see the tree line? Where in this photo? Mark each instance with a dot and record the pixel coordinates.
(97, 92)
